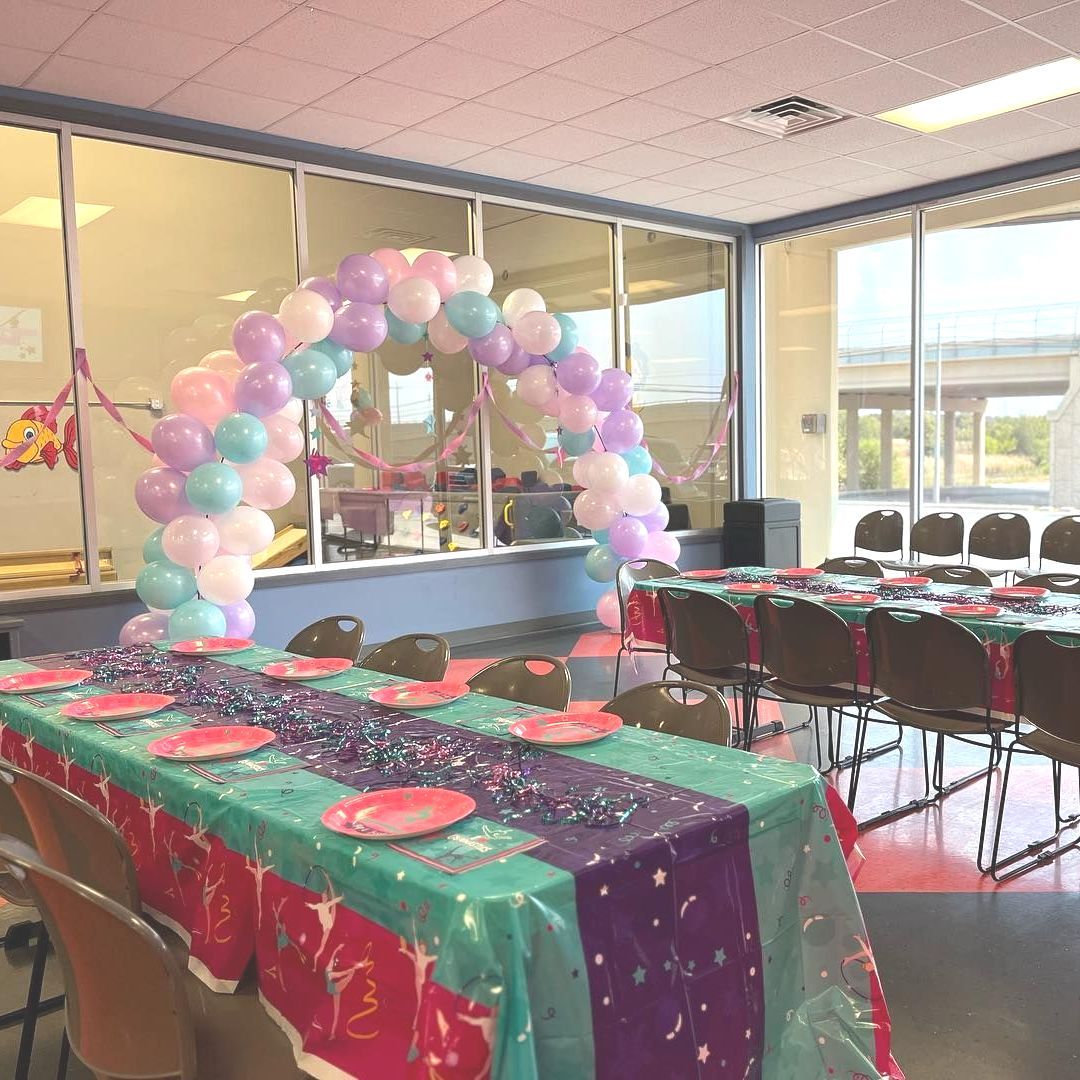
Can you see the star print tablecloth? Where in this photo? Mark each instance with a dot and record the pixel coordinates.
(711, 931)
(998, 633)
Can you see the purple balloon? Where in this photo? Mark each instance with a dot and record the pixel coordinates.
(578, 373)
(516, 362)
(535, 358)
(656, 520)
(182, 441)
(262, 389)
(239, 619)
(144, 628)
(325, 288)
(619, 432)
(613, 391)
(627, 536)
(258, 338)
(159, 494)
(360, 277)
(494, 348)
(359, 326)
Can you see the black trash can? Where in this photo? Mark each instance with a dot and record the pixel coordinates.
(762, 532)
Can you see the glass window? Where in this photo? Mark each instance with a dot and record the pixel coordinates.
(184, 245)
(41, 534)
(677, 351)
(569, 261)
(404, 403)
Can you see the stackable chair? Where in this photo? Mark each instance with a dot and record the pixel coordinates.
(1047, 689)
(853, 565)
(1001, 537)
(336, 635)
(1059, 583)
(881, 532)
(423, 657)
(626, 577)
(1059, 543)
(940, 535)
(950, 574)
(690, 709)
(533, 680)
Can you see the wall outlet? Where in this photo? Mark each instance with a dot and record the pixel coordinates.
(813, 423)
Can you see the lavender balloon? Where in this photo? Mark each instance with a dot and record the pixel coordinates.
(613, 391)
(144, 628)
(183, 442)
(535, 360)
(262, 389)
(325, 288)
(578, 373)
(159, 494)
(258, 338)
(627, 537)
(656, 520)
(360, 277)
(239, 619)
(621, 430)
(516, 362)
(494, 348)
(359, 326)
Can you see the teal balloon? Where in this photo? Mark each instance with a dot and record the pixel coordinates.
(576, 443)
(313, 373)
(638, 460)
(340, 355)
(164, 585)
(404, 333)
(241, 437)
(152, 551)
(213, 488)
(569, 340)
(600, 536)
(601, 563)
(472, 314)
(196, 618)
(540, 523)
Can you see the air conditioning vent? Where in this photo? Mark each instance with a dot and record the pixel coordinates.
(786, 116)
(388, 236)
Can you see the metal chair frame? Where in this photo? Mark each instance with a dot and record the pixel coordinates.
(626, 576)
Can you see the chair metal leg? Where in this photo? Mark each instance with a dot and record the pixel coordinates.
(618, 665)
(33, 1002)
(65, 1053)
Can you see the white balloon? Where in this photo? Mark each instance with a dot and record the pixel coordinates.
(245, 530)
(306, 315)
(608, 472)
(226, 579)
(641, 495)
(414, 300)
(293, 410)
(190, 540)
(285, 440)
(473, 274)
(521, 302)
(582, 467)
(595, 509)
(536, 386)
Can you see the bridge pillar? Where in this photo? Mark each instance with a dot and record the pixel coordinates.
(978, 445)
(948, 450)
(886, 449)
(852, 449)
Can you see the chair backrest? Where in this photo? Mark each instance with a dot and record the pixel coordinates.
(1060, 541)
(336, 635)
(926, 660)
(956, 574)
(533, 680)
(126, 1011)
(702, 631)
(803, 643)
(633, 571)
(12, 823)
(939, 534)
(1001, 536)
(1048, 681)
(660, 706)
(856, 565)
(423, 657)
(73, 837)
(1062, 583)
(880, 530)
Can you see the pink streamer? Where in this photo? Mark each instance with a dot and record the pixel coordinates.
(512, 426)
(716, 444)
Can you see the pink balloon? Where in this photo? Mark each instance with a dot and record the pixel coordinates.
(596, 509)
(223, 361)
(537, 332)
(286, 440)
(576, 411)
(144, 628)
(190, 540)
(414, 300)
(437, 268)
(607, 610)
(394, 263)
(663, 546)
(536, 386)
(444, 337)
(202, 393)
(268, 484)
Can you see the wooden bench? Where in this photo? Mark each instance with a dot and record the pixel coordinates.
(50, 568)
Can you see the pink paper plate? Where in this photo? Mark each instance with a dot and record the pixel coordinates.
(971, 611)
(304, 668)
(852, 598)
(703, 573)
(419, 695)
(753, 586)
(398, 813)
(202, 744)
(211, 646)
(799, 572)
(904, 582)
(43, 679)
(116, 706)
(565, 729)
(1019, 592)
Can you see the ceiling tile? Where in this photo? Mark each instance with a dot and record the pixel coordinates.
(145, 48)
(568, 143)
(33, 24)
(582, 178)
(1057, 142)
(635, 119)
(333, 129)
(1016, 9)
(223, 106)
(647, 192)
(715, 30)
(711, 139)
(450, 70)
(619, 16)
(985, 56)
(523, 35)
(101, 82)
(251, 71)
(496, 125)
(208, 18)
(16, 65)
(815, 200)
(511, 164)
(714, 92)
(421, 17)
(775, 156)
(879, 89)
(911, 152)
(756, 212)
(902, 27)
(804, 61)
(706, 203)
(642, 160)
(995, 130)
(421, 146)
(766, 188)
(707, 175)
(82, 5)
(832, 171)
(816, 12)
(1065, 110)
(964, 165)
(850, 136)
(1062, 25)
(881, 185)
(322, 38)
(549, 96)
(393, 104)
(626, 66)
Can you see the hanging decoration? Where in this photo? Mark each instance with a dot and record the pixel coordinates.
(35, 438)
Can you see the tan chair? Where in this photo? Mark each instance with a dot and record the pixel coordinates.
(1059, 583)
(626, 577)
(337, 635)
(533, 680)
(949, 574)
(423, 657)
(1047, 689)
(880, 531)
(940, 535)
(666, 707)
(853, 565)
(131, 1012)
(1002, 537)
(1059, 543)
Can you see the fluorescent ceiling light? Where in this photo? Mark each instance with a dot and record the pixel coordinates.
(239, 297)
(44, 213)
(797, 348)
(1031, 86)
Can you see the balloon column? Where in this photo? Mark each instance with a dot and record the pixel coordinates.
(221, 455)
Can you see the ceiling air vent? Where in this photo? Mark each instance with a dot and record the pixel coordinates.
(786, 116)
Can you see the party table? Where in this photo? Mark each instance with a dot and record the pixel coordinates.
(1057, 611)
(641, 906)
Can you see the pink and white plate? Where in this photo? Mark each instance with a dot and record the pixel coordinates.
(1019, 592)
(207, 743)
(753, 586)
(705, 575)
(853, 598)
(211, 646)
(116, 706)
(971, 611)
(398, 813)
(419, 695)
(915, 581)
(27, 682)
(797, 572)
(304, 668)
(566, 729)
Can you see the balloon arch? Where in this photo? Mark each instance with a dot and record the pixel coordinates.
(221, 456)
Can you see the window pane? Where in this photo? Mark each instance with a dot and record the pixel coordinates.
(569, 262)
(185, 245)
(836, 336)
(677, 351)
(420, 405)
(41, 537)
